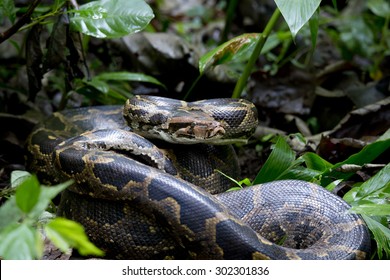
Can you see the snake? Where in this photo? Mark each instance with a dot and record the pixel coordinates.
(144, 185)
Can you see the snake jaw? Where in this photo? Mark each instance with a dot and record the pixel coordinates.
(197, 129)
(201, 131)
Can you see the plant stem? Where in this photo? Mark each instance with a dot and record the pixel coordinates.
(255, 54)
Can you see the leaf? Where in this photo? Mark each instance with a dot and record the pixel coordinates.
(297, 12)
(380, 8)
(45, 198)
(372, 209)
(18, 176)
(9, 213)
(101, 86)
(65, 234)
(374, 188)
(128, 76)
(7, 7)
(227, 51)
(279, 161)
(316, 162)
(366, 155)
(297, 172)
(27, 194)
(381, 235)
(112, 18)
(236, 49)
(20, 242)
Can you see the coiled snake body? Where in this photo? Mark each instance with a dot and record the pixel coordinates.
(133, 202)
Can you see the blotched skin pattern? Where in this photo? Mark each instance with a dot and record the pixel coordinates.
(134, 203)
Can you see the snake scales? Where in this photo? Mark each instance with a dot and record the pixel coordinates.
(132, 203)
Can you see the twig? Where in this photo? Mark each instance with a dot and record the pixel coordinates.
(22, 21)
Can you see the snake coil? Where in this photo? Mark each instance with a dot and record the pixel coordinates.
(131, 198)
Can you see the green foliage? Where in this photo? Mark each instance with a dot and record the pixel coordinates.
(7, 9)
(240, 184)
(107, 87)
(281, 159)
(371, 198)
(364, 32)
(380, 8)
(111, 18)
(296, 13)
(238, 49)
(21, 222)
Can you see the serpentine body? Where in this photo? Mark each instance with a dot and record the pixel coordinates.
(133, 202)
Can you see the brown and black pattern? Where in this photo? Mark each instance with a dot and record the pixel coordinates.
(134, 204)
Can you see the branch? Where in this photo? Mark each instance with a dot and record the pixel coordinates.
(22, 21)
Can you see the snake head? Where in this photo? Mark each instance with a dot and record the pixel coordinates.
(196, 129)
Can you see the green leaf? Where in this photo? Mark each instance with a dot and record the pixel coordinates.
(316, 162)
(101, 86)
(297, 12)
(332, 185)
(245, 181)
(45, 198)
(228, 50)
(279, 161)
(377, 189)
(66, 234)
(236, 49)
(372, 209)
(128, 76)
(27, 194)
(112, 18)
(20, 242)
(366, 155)
(380, 8)
(18, 176)
(7, 7)
(10, 213)
(297, 172)
(381, 235)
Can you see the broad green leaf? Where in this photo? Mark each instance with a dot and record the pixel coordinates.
(101, 86)
(27, 194)
(45, 198)
(297, 172)
(20, 242)
(237, 49)
(18, 176)
(380, 8)
(372, 209)
(297, 12)
(279, 161)
(128, 76)
(112, 18)
(332, 185)
(225, 52)
(66, 234)
(10, 213)
(314, 161)
(366, 155)
(381, 235)
(376, 188)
